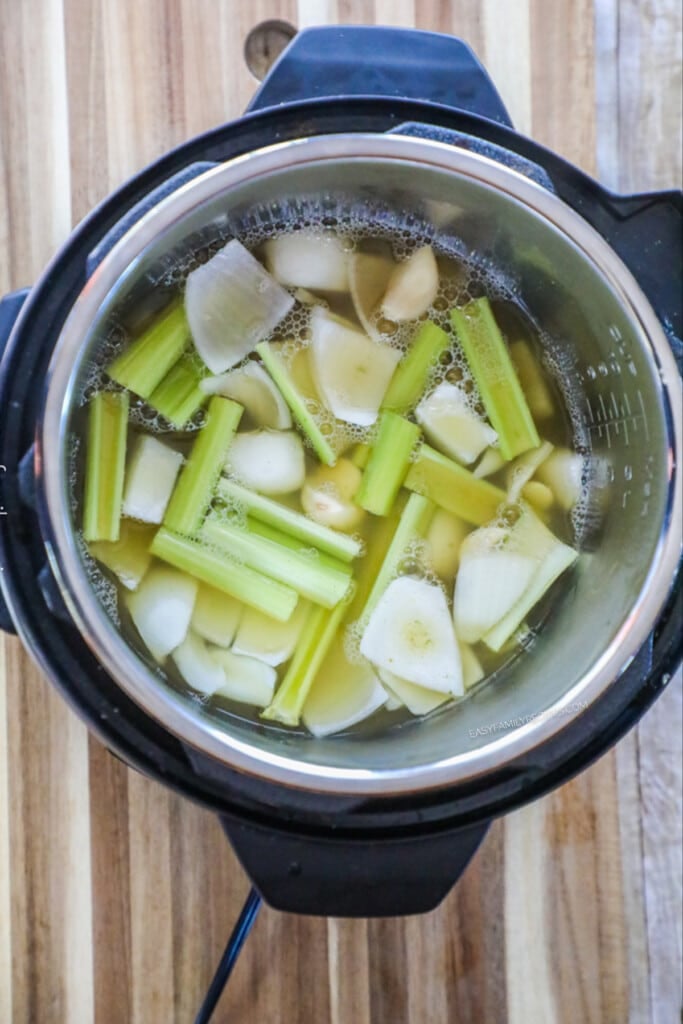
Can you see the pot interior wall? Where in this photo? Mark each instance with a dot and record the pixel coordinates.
(607, 372)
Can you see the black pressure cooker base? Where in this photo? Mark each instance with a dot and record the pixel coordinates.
(36, 603)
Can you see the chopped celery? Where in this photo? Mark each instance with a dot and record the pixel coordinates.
(216, 615)
(179, 395)
(105, 466)
(414, 523)
(453, 487)
(150, 477)
(388, 463)
(128, 557)
(492, 369)
(318, 577)
(293, 523)
(383, 534)
(224, 573)
(143, 365)
(412, 373)
(314, 643)
(278, 370)
(198, 479)
(360, 455)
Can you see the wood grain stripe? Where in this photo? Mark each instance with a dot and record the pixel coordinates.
(116, 896)
(5, 849)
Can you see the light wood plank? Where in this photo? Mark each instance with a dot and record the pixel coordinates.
(120, 894)
(151, 901)
(5, 847)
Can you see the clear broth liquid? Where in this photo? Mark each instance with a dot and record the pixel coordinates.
(462, 278)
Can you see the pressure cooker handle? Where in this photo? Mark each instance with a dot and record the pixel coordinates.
(352, 60)
(10, 307)
(340, 877)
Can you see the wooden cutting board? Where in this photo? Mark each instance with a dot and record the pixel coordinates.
(116, 896)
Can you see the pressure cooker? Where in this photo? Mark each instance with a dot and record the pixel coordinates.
(361, 825)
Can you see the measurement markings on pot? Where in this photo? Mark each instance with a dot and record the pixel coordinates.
(515, 723)
(614, 416)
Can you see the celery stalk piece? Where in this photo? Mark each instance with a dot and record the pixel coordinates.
(321, 579)
(105, 466)
(225, 574)
(143, 365)
(368, 569)
(315, 641)
(278, 370)
(265, 510)
(360, 455)
(412, 373)
(128, 557)
(388, 463)
(494, 373)
(453, 487)
(414, 523)
(179, 395)
(200, 474)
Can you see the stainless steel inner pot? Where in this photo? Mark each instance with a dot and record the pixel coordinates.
(614, 358)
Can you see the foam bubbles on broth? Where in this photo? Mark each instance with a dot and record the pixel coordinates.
(361, 227)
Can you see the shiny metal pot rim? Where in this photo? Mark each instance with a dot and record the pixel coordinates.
(118, 658)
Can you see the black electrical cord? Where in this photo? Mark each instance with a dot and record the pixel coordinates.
(229, 958)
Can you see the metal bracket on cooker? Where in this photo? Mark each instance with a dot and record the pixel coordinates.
(480, 146)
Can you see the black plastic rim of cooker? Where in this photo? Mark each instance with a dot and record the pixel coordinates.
(291, 841)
